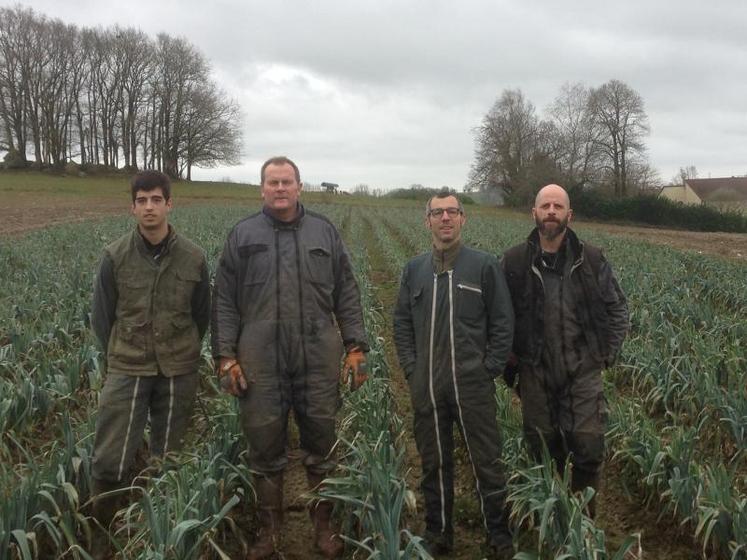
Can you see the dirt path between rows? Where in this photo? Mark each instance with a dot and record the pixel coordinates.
(469, 533)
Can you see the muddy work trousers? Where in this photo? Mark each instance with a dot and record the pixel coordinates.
(571, 417)
(475, 416)
(125, 404)
(291, 383)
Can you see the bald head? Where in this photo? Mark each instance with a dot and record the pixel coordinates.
(552, 213)
(552, 191)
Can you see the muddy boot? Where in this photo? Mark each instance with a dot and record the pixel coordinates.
(327, 540)
(103, 511)
(499, 547)
(270, 510)
(580, 480)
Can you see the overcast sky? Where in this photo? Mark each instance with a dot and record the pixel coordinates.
(388, 92)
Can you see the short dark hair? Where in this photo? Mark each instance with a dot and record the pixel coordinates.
(279, 160)
(445, 193)
(149, 180)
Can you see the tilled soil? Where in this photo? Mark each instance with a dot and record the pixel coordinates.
(729, 245)
(25, 212)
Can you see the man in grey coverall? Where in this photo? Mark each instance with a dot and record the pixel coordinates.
(151, 308)
(453, 325)
(283, 288)
(571, 320)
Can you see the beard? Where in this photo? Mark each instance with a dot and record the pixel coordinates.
(549, 232)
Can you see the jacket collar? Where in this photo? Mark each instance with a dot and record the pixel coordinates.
(146, 248)
(444, 259)
(572, 243)
(279, 224)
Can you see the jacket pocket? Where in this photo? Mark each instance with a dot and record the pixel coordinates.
(184, 287)
(469, 301)
(129, 342)
(184, 340)
(319, 266)
(256, 259)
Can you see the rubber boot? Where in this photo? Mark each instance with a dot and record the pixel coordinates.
(580, 480)
(326, 533)
(269, 490)
(103, 511)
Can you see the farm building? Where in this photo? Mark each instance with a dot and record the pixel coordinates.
(719, 191)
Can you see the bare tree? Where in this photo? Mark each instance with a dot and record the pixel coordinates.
(619, 112)
(505, 143)
(575, 145)
(12, 91)
(59, 88)
(135, 50)
(211, 132)
(181, 71)
(102, 95)
(684, 174)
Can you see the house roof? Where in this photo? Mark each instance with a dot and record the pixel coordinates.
(707, 188)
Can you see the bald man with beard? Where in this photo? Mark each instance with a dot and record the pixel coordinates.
(571, 320)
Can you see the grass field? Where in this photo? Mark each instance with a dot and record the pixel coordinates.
(676, 472)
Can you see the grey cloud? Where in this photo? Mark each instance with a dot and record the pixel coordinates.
(387, 91)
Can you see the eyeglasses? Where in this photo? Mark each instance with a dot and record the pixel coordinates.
(438, 212)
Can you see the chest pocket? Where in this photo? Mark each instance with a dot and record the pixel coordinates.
(469, 300)
(255, 259)
(186, 281)
(134, 289)
(319, 266)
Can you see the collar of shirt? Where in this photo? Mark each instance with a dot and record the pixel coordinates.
(444, 259)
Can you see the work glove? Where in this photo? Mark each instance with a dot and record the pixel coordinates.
(354, 369)
(232, 380)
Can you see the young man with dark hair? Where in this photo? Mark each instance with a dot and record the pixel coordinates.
(453, 325)
(283, 288)
(151, 308)
(148, 181)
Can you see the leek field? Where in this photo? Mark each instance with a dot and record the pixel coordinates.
(677, 437)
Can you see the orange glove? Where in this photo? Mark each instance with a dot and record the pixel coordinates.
(354, 368)
(232, 380)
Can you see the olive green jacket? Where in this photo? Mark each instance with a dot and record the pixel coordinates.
(150, 311)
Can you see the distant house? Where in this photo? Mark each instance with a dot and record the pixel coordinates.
(720, 191)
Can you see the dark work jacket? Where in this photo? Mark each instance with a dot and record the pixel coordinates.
(600, 305)
(479, 306)
(277, 275)
(157, 323)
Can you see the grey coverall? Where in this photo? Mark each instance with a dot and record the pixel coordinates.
(453, 334)
(282, 290)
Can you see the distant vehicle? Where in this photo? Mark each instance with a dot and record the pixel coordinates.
(331, 187)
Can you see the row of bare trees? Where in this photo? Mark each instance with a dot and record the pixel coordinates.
(590, 136)
(112, 97)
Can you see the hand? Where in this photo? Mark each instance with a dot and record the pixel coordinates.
(231, 376)
(354, 368)
(511, 370)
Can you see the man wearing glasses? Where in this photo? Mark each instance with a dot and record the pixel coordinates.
(453, 328)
